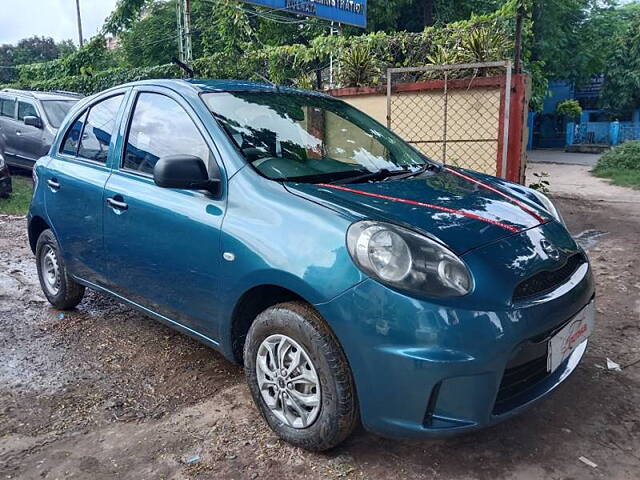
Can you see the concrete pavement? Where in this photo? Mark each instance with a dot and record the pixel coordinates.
(560, 156)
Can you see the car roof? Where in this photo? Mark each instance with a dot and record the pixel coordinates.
(211, 85)
(55, 95)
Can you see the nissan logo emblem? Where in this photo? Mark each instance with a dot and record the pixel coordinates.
(550, 250)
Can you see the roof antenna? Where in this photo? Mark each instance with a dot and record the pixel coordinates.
(273, 84)
(188, 70)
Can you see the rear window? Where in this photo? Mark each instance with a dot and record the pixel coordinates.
(98, 129)
(7, 107)
(56, 110)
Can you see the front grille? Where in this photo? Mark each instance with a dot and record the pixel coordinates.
(518, 379)
(547, 280)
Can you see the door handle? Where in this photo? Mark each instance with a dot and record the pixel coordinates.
(53, 184)
(117, 204)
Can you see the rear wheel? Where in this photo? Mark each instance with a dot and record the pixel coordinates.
(299, 377)
(60, 289)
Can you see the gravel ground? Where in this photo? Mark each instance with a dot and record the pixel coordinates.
(105, 392)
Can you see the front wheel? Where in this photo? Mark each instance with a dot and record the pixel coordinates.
(62, 291)
(299, 377)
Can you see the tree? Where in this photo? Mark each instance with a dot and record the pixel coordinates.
(34, 50)
(7, 65)
(621, 89)
(65, 48)
(151, 40)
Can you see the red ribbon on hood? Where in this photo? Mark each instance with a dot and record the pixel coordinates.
(462, 213)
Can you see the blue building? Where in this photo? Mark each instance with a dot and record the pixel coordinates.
(595, 129)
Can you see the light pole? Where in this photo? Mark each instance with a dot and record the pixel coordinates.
(79, 22)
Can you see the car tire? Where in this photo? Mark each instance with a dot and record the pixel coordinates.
(330, 422)
(61, 290)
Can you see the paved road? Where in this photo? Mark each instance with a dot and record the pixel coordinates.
(559, 156)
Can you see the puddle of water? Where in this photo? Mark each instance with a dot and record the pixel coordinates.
(589, 238)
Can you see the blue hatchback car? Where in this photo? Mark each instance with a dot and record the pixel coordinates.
(356, 279)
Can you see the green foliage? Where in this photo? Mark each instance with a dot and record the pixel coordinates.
(89, 84)
(569, 108)
(623, 157)
(65, 48)
(541, 184)
(621, 164)
(124, 15)
(358, 67)
(34, 49)
(224, 27)
(621, 89)
(30, 50)
(92, 57)
(484, 44)
(151, 40)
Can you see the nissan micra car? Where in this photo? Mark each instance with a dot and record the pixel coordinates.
(355, 279)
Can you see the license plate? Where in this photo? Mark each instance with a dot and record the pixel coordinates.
(563, 343)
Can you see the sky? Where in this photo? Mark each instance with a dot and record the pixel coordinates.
(51, 18)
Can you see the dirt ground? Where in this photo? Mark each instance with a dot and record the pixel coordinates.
(105, 392)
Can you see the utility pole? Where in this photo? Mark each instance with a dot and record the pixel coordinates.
(79, 22)
(184, 31)
(521, 12)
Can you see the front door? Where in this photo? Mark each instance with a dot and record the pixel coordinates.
(163, 245)
(29, 139)
(75, 178)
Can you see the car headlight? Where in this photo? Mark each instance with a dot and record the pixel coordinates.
(548, 205)
(407, 260)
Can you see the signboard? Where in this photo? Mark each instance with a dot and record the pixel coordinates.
(351, 12)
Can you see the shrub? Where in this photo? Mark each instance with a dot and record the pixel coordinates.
(358, 67)
(569, 108)
(623, 157)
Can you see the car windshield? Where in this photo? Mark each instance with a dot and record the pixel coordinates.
(56, 110)
(309, 138)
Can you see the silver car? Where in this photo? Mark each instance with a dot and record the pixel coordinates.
(29, 122)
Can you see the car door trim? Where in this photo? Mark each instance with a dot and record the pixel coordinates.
(158, 316)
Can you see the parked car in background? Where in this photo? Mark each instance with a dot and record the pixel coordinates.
(355, 278)
(29, 122)
(5, 178)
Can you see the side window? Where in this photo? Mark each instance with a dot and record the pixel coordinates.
(72, 136)
(99, 128)
(26, 109)
(7, 107)
(161, 127)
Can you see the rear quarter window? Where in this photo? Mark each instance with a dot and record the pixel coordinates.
(72, 136)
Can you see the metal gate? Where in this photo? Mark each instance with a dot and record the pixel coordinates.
(457, 114)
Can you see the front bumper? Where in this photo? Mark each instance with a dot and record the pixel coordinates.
(425, 370)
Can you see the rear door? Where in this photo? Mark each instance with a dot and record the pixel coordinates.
(8, 126)
(163, 245)
(75, 179)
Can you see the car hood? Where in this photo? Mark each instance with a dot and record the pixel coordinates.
(462, 210)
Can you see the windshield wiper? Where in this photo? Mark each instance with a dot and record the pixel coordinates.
(372, 176)
(417, 172)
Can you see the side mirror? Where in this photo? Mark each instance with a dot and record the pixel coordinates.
(184, 171)
(33, 121)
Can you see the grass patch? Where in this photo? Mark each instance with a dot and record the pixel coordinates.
(19, 200)
(621, 165)
(624, 178)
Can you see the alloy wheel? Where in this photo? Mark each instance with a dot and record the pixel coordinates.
(288, 381)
